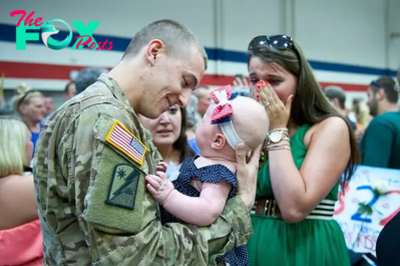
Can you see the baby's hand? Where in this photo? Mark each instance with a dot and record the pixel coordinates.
(162, 167)
(159, 187)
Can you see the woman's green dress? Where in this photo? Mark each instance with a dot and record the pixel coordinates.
(311, 242)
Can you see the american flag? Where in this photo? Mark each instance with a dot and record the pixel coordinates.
(124, 141)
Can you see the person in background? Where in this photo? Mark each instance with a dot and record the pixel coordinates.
(203, 95)
(87, 77)
(169, 136)
(337, 97)
(363, 117)
(362, 113)
(241, 85)
(69, 90)
(380, 144)
(31, 107)
(193, 119)
(20, 234)
(387, 244)
(49, 105)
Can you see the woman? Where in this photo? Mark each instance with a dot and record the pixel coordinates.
(30, 105)
(309, 146)
(20, 233)
(169, 136)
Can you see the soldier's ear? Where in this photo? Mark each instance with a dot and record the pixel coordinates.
(154, 50)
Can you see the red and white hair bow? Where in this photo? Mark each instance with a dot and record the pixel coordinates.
(222, 97)
(223, 112)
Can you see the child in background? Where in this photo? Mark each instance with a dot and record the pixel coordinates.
(198, 191)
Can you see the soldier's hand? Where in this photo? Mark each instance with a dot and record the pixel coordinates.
(159, 187)
(247, 170)
(162, 167)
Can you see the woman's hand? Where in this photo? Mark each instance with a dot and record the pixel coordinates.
(278, 112)
(247, 170)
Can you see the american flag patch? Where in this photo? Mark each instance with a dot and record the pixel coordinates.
(126, 142)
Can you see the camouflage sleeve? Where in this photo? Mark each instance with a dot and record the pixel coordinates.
(155, 153)
(120, 220)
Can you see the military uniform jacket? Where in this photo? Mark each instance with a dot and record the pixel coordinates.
(91, 159)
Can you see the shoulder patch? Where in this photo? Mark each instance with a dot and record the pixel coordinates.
(123, 186)
(122, 139)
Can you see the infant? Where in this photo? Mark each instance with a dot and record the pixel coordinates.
(198, 191)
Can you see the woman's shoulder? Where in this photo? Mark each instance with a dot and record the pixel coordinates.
(333, 126)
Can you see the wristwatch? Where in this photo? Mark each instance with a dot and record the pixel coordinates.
(277, 136)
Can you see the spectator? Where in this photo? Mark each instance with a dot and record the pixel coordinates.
(203, 95)
(49, 105)
(20, 234)
(87, 77)
(169, 136)
(387, 245)
(380, 145)
(337, 97)
(30, 105)
(70, 90)
(193, 118)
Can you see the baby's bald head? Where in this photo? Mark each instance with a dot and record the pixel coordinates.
(250, 121)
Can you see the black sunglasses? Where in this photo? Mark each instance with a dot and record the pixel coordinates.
(280, 42)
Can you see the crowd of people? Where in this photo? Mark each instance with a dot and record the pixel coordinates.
(144, 166)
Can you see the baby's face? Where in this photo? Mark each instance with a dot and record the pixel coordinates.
(206, 131)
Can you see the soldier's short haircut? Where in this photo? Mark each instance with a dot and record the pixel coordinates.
(175, 36)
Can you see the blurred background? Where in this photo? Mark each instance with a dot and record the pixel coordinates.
(348, 43)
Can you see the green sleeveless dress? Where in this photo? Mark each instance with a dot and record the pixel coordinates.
(311, 242)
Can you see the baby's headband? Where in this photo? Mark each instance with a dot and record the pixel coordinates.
(222, 114)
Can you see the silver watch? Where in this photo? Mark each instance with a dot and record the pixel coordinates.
(277, 136)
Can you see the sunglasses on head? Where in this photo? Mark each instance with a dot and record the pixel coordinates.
(280, 42)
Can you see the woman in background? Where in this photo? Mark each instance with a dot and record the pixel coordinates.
(30, 105)
(169, 136)
(20, 234)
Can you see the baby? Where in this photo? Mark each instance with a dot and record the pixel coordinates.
(198, 191)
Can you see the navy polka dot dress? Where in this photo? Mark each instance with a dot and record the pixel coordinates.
(209, 174)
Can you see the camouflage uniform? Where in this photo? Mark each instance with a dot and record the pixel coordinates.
(76, 171)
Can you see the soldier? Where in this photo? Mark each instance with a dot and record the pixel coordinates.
(93, 154)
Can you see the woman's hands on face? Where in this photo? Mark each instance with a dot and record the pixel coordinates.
(278, 112)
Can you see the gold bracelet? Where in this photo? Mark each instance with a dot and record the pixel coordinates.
(280, 129)
(280, 147)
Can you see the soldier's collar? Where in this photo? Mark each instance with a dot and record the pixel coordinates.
(113, 86)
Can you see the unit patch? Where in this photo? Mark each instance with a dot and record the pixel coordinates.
(123, 186)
